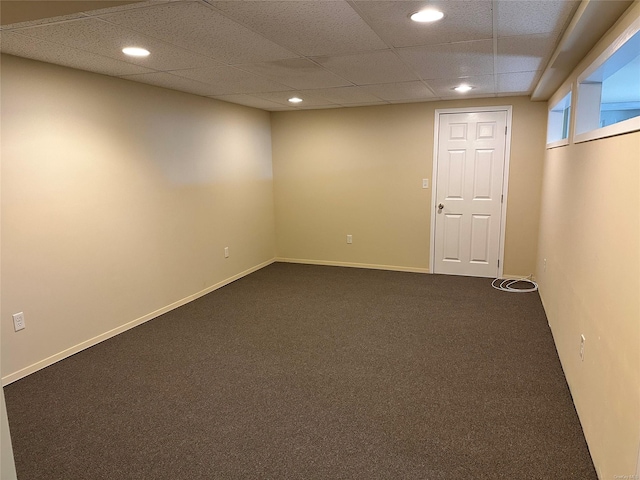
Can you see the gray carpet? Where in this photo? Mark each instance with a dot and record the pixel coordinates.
(308, 372)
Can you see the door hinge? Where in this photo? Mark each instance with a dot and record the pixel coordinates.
(502, 198)
(498, 263)
(505, 130)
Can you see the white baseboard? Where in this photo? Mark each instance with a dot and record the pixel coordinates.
(353, 265)
(12, 377)
(516, 277)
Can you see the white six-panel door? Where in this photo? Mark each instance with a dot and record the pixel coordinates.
(469, 174)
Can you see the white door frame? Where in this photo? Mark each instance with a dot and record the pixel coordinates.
(505, 182)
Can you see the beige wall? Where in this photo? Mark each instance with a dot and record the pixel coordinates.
(359, 171)
(117, 200)
(590, 239)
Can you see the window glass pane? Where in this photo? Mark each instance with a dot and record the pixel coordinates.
(611, 94)
(621, 93)
(558, 122)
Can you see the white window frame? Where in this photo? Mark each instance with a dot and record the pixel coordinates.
(563, 141)
(626, 126)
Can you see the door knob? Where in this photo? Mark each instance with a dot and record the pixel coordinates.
(440, 207)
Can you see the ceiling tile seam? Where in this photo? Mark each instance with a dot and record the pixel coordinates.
(393, 50)
(389, 45)
(311, 57)
(494, 16)
(360, 104)
(425, 81)
(516, 73)
(153, 70)
(211, 7)
(7, 28)
(254, 95)
(555, 33)
(320, 90)
(293, 91)
(352, 84)
(315, 56)
(131, 76)
(173, 89)
(342, 55)
(300, 55)
(239, 67)
(174, 73)
(366, 20)
(210, 84)
(559, 31)
(317, 97)
(443, 44)
(364, 17)
(125, 8)
(43, 22)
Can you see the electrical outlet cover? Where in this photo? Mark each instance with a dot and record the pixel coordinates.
(18, 321)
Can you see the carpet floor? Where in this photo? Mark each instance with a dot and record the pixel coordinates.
(310, 372)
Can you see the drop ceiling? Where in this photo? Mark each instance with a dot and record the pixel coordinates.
(330, 53)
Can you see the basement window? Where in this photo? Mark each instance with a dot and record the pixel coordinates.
(558, 123)
(609, 90)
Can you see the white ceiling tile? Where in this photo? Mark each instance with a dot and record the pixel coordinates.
(524, 53)
(469, 96)
(309, 28)
(82, 33)
(42, 21)
(343, 95)
(250, 101)
(451, 60)
(82, 14)
(367, 104)
(198, 28)
(227, 80)
(297, 73)
(383, 66)
(166, 80)
(27, 47)
(282, 98)
(482, 85)
(315, 107)
(106, 39)
(513, 94)
(464, 20)
(526, 17)
(400, 91)
(517, 82)
(126, 7)
(349, 42)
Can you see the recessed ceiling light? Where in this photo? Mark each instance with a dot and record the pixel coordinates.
(135, 52)
(427, 15)
(463, 88)
(295, 100)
